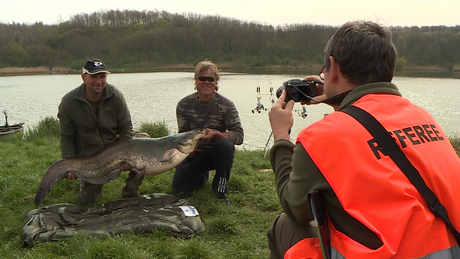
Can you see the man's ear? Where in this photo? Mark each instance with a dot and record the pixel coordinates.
(334, 70)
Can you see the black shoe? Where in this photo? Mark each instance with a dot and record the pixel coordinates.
(223, 199)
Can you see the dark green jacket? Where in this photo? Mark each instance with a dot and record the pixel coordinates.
(296, 175)
(82, 133)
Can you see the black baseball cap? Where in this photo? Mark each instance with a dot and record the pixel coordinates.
(94, 66)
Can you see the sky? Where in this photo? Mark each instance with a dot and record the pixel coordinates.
(269, 12)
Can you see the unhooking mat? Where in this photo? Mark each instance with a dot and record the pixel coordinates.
(141, 214)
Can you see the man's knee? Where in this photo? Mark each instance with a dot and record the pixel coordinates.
(223, 150)
(284, 233)
(225, 145)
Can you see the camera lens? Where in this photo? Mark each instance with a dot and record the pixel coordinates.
(279, 91)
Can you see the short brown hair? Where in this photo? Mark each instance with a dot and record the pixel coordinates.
(364, 51)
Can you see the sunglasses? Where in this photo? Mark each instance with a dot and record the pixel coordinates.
(321, 73)
(204, 78)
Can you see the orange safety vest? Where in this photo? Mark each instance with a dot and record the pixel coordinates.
(373, 190)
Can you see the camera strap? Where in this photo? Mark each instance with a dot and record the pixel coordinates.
(336, 100)
(388, 144)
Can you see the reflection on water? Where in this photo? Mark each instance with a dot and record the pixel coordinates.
(429, 74)
(439, 96)
(152, 97)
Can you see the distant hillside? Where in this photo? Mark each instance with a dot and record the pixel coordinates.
(128, 39)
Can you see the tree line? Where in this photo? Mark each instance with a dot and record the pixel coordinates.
(152, 39)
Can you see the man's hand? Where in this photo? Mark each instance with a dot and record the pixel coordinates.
(320, 96)
(214, 134)
(281, 119)
(71, 176)
(210, 134)
(125, 167)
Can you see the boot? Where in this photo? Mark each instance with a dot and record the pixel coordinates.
(131, 187)
(89, 192)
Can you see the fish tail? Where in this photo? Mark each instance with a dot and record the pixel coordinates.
(54, 174)
(39, 196)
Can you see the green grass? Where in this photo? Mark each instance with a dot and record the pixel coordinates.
(237, 231)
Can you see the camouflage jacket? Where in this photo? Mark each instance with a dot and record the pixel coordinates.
(138, 215)
(219, 113)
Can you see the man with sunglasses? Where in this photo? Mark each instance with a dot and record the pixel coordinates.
(373, 210)
(208, 110)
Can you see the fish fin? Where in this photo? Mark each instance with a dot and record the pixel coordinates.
(169, 154)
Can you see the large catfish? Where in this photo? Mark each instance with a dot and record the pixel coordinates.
(149, 156)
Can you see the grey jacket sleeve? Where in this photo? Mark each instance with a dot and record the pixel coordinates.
(235, 129)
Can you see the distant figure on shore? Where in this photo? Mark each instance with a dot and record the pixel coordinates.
(93, 116)
(206, 109)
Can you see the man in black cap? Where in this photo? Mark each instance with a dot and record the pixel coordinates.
(93, 116)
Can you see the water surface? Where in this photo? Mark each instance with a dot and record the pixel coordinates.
(152, 97)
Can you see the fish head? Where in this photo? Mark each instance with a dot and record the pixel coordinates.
(186, 142)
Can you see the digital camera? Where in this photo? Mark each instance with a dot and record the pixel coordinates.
(298, 90)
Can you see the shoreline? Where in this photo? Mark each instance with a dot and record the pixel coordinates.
(20, 71)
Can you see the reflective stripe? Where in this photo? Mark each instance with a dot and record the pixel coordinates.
(310, 248)
(222, 184)
(450, 253)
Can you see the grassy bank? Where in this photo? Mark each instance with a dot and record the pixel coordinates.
(238, 231)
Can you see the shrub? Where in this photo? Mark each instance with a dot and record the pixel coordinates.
(47, 127)
(155, 129)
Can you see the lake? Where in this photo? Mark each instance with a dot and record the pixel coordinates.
(152, 97)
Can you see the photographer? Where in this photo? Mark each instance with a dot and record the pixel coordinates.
(373, 210)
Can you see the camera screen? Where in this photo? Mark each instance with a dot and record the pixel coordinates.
(298, 90)
(297, 96)
(301, 93)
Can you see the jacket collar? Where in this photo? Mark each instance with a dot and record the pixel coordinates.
(371, 88)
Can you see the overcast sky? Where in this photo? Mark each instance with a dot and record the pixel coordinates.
(274, 12)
